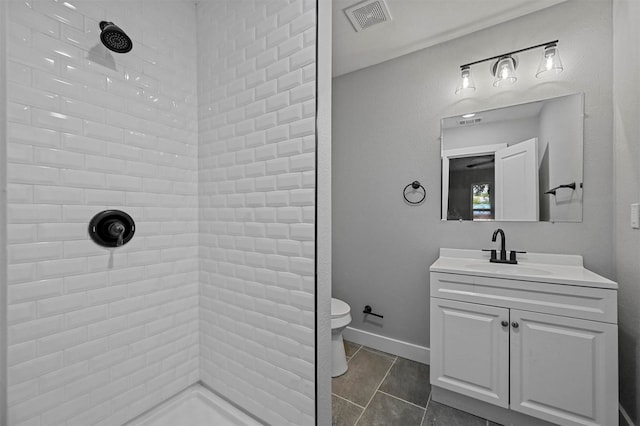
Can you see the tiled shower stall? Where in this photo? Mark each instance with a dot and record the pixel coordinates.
(205, 133)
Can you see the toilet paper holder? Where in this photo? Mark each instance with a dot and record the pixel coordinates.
(369, 310)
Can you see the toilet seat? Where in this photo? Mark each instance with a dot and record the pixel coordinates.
(339, 308)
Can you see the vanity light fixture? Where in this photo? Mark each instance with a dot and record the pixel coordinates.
(550, 62)
(504, 67)
(467, 84)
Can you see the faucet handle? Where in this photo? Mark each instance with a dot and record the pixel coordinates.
(494, 254)
(512, 254)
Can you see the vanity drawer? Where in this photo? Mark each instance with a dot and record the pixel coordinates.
(589, 303)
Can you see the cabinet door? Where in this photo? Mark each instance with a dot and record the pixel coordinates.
(470, 350)
(564, 370)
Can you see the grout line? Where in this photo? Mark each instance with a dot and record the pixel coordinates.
(424, 415)
(345, 399)
(377, 387)
(354, 354)
(400, 399)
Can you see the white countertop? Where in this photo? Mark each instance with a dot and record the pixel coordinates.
(538, 267)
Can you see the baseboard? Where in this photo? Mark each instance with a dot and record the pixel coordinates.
(625, 416)
(387, 344)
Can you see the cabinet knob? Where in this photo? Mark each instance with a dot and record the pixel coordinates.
(505, 323)
(514, 324)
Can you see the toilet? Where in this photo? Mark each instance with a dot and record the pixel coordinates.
(340, 319)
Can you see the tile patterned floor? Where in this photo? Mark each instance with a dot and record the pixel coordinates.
(381, 389)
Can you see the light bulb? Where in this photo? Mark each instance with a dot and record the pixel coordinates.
(466, 84)
(549, 63)
(504, 71)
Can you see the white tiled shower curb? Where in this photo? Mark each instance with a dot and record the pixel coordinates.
(195, 406)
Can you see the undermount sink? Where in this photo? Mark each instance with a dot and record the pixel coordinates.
(501, 268)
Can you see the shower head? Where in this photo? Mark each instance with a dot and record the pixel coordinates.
(114, 38)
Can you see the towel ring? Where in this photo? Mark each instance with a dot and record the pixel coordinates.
(414, 185)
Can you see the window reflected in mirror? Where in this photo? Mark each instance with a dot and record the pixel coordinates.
(481, 204)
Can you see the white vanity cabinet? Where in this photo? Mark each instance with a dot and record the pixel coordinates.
(563, 369)
(536, 344)
(470, 349)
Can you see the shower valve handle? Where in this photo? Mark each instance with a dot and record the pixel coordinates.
(117, 229)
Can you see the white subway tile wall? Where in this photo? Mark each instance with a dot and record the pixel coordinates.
(98, 336)
(256, 97)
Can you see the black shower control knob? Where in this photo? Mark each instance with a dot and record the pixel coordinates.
(116, 228)
(112, 228)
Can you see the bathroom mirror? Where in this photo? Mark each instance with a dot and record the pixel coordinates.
(517, 163)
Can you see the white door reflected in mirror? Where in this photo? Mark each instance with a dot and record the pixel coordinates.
(516, 172)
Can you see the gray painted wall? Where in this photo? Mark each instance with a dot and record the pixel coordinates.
(386, 127)
(562, 132)
(626, 39)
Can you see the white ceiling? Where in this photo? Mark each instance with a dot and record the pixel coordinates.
(415, 25)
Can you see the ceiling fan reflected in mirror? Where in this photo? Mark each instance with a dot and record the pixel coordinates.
(481, 163)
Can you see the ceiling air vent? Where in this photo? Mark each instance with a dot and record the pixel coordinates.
(469, 121)
(367, 14)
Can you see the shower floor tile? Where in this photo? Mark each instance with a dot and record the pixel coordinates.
(386, 390)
